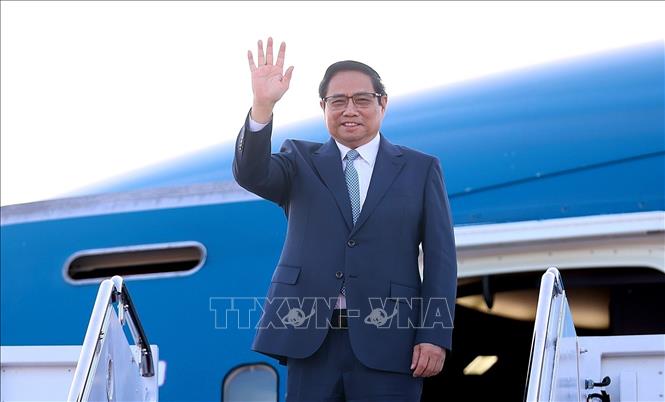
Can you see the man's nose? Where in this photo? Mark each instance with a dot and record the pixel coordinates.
(350, 108)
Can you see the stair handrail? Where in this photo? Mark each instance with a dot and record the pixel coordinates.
(110, 291)
(551, 286)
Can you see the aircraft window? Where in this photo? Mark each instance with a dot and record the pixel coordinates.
(148, 261)
(256, 382)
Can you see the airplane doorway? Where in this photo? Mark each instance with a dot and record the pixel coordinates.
(604, 301)
(480, 334)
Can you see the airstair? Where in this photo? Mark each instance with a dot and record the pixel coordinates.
(564, 367)
(107, 367)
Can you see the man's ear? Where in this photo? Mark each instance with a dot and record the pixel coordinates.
(384, 103)
(323, 105)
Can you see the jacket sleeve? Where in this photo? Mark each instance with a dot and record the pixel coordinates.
(257, 170)
(439, 286)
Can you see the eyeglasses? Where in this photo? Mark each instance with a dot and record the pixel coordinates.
(362, 100)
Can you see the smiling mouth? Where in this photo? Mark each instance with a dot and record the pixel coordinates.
(350, 124)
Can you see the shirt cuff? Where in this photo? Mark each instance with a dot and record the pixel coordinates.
(255, 126)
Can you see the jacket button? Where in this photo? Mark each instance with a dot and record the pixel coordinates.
(351, 243)
(339, 274)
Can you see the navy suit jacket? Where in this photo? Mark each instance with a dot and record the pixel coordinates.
(390, 308)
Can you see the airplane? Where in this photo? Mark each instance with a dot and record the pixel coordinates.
(561, 164)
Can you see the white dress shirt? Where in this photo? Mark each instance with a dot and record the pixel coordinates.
(364, 165)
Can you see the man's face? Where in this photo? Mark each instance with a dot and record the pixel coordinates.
(353, 126)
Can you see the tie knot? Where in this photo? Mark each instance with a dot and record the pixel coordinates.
(352, 155)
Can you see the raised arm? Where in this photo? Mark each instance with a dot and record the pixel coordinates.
(269, 82)
(254, 167)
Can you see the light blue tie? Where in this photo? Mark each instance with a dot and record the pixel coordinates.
(353, 186)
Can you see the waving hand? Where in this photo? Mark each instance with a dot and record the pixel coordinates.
(269, 82)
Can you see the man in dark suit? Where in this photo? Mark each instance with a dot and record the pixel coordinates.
(347, 308)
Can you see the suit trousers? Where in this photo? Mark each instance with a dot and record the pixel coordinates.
(334, 374)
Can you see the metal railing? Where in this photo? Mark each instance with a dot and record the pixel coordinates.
(547, 319)
(111, 291)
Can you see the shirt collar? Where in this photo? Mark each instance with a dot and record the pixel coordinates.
(367, 152)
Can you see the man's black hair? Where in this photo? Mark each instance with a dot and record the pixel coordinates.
(351, 65)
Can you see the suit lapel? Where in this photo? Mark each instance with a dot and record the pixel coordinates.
(328, 163)
(386, 168)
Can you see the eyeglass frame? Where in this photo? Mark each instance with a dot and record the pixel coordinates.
(375, 94)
